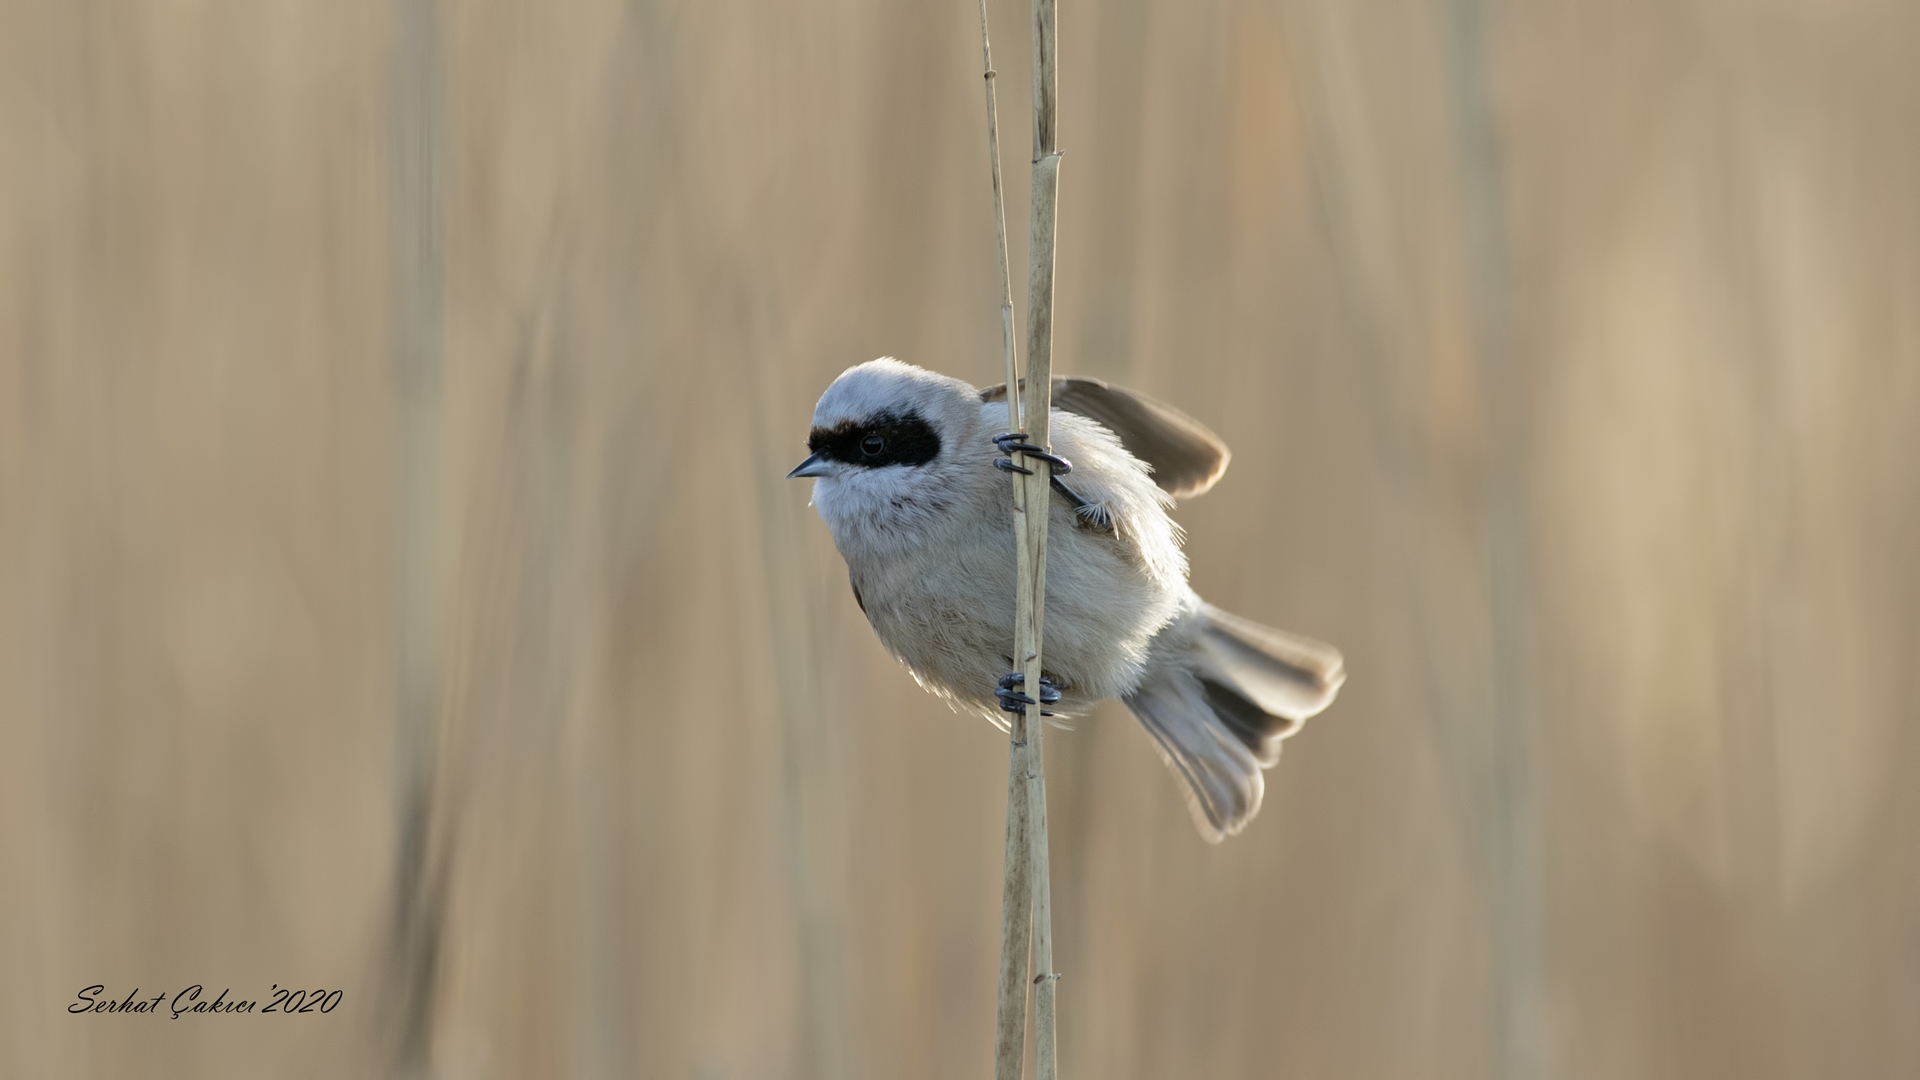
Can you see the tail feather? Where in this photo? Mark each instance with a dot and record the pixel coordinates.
(1223, 785)
(1284, 675)
(1220, 705)
(1260, 732)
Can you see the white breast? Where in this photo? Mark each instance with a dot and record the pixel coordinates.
(940, 593)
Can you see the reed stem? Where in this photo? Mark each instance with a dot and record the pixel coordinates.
(1039, 396)
(1026, 902)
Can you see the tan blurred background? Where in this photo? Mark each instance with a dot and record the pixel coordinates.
(400, 593)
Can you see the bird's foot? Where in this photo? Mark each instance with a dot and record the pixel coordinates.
(1015, 442)
(1013, 701)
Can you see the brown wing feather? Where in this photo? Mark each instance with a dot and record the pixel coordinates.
(1187, 458)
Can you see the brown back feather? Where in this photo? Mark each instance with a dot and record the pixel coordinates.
(1186, 457)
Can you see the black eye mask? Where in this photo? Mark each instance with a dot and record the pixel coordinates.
(885, 439)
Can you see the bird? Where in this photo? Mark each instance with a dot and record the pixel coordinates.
(903, 462)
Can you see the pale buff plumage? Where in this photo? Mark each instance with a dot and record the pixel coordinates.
(929, 551)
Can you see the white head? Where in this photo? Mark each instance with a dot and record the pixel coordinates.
(891, 446)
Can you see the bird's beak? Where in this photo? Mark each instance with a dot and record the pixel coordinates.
(813, 466)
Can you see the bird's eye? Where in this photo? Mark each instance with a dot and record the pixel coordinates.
(872, 445)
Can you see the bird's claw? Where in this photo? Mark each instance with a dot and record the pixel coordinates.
(1015, 442)
(1013, 701)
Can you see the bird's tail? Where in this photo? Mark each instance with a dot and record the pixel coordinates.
(1220, 694)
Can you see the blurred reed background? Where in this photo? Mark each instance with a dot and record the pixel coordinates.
(401, 594)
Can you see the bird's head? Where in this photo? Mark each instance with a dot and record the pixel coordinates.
(887, 443)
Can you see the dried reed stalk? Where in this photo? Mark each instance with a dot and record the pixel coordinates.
(417, 285)
(1026, 902)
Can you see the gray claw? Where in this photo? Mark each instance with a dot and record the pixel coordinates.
(1013, 701)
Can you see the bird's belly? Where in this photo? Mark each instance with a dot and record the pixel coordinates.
(954, 630)
(950, 619)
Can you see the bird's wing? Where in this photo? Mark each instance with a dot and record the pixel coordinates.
(1187, 459)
